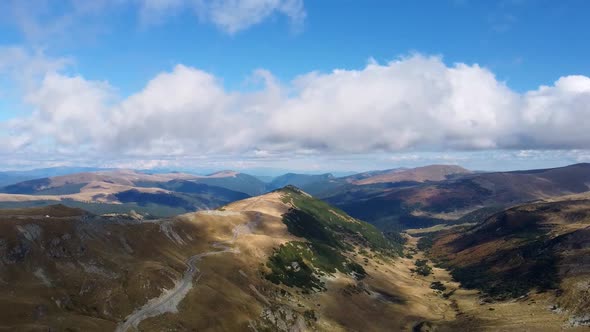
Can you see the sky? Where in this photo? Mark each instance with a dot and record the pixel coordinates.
(308, 86)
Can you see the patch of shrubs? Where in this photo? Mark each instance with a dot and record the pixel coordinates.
(438, 286)
(290, 265)
(299, 264)
(317, 221)
(422, 267)
(427, 241)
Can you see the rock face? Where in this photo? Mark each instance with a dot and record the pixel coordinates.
(30, 231)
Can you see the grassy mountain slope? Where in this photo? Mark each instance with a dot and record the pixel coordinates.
(538, 247)
(283, 261)
(329, 233)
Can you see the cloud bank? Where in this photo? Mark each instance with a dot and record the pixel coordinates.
(414, 103)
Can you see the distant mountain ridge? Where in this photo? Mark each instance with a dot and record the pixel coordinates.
(162, 194)
(418, 174)
(235, 181)
(368, 174)
(411, 205)
(324, 184)
(417, 197)
(12, 177)
(298, 180)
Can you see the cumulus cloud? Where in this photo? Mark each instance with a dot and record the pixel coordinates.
(70, 110)
(558, 116)
(414, 103)
(182, 110)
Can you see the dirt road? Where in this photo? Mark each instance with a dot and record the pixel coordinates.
(168, 301)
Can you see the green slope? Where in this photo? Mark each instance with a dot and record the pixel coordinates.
(332, 238)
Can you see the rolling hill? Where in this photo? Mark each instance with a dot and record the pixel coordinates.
(391, 199)
(538, 248)
(12, 177)
(121, 191)
(235, 181)
(283, 261)
(418, 174)
(324, 185)
(412, 204)
(73, 183)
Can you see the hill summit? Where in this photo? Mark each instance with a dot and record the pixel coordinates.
(281, 261)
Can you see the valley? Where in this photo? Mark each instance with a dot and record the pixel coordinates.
(466, 310)
(287, 261)
(294, 166)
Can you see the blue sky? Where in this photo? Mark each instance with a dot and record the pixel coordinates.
(81, 64)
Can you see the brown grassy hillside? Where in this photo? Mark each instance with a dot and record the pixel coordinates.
(279, 262)
(539, 247)
(217, 270)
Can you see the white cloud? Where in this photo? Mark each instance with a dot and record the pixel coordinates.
(558, 116)
(236, 15)
(183, 110)
(44, 20)
(229, 15)
(27, 66)
(412, 104)
(70, 110)
(41, 20)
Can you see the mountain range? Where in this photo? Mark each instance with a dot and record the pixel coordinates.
(431, 248)
(390, 199)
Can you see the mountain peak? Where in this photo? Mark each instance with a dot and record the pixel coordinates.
(288, 189)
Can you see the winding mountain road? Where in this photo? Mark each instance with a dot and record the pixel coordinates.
(169, 299)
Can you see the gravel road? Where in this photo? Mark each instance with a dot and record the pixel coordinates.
(168, 301)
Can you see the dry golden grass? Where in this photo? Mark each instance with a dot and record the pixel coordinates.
(124, 265)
